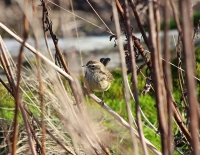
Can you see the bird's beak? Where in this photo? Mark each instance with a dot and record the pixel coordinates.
(84, 66)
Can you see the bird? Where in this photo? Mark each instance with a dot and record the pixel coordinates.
(97, 77)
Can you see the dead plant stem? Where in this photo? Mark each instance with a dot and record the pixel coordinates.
(190, 70)
(134, 76)
(17, 91)
(168, 77)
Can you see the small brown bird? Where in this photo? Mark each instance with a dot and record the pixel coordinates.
(97, 76)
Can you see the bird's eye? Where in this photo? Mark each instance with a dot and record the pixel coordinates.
(92, 66)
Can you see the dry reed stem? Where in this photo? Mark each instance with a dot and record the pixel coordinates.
(168, 77)
(124, 77)
(157, 74)
(41, 93)
(180, 72)
(34, 51)
(17, 89)
(190, 70)
(134, 76)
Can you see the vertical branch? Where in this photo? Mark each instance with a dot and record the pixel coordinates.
(167, 71)
(190, 70)
(178, 50)
(134, 76)
(124, 74)
(158, 76)
(17, 91)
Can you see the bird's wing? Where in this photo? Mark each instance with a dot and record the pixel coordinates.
(108, 76)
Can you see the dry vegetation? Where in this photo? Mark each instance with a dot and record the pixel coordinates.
(51, 114)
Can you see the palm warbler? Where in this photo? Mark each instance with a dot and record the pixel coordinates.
(97, 76)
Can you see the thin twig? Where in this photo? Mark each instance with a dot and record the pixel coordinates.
(78, 16)
(34, 51)
(124, 75)
(41, 93)
(157, 74)
(17, 91)
(99, 16)
(134, 76)
(167, 71)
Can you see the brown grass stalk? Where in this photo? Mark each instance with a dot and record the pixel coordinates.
(17, 89)
(168, 77)
(41, 92)
(124, 77)
(157, 75)
(190, 70)
(34, 51)
(134, 76)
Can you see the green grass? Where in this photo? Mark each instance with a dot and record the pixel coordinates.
(6, 103)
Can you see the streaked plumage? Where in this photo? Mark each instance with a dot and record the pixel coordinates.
(97, 77)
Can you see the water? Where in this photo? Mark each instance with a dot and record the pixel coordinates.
(92, 48)
(84, 44)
